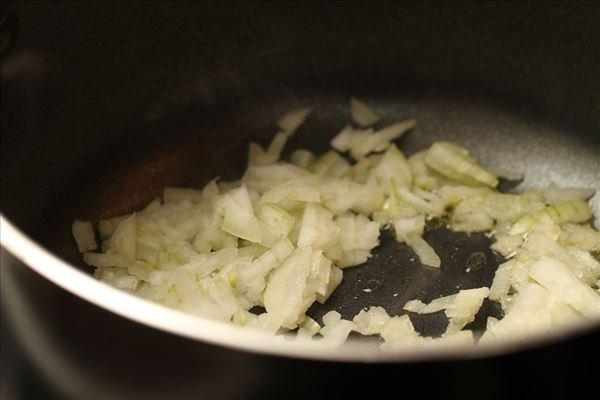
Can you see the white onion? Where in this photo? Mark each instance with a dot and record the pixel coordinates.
(362, 114)
(371, 322)
(83, 232)
(302, 158)
(424, 251)
(281, 235)
(554, 194)
(293, 119)
(454, 163)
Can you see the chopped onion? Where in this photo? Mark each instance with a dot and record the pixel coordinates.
(414, 306)
(450, 161)
(564, 286)
(277, 144)
(568, 211)
(439, 304)
(371, 322)
(283, 294)
(280, 236)
(293, 119)
(405, 227)
(464, 307)
(238, 215)
(424, 251)
(84, 236)
(362, 114)
(335, 329)
(343, 140)
(308, 328)
(501, 283)
(392, 169)
(553, 194)
(123, 240)
(302, 158)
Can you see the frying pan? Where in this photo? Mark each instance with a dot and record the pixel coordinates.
(104, 104)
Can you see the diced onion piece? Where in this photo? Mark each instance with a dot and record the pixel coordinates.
(417, 202)
(393, 167)
(464, 308)
(126, 282)
(256, 154)
(357, 232)
(422, 174)
(583, 237)
(343, 140)
(84, 236)
(320, 271)
(292, 120)
(444, 158)
(252, 277)
(501, 283)
(363, 143)
(499, 206)
(276, 223)
(304, 189)
(330, 164)
(308, 328)
(335, 330)
(553, 194)
(107, 227)
(209, 233)
(140, 270)
(424, 251)
(371, 322)
(352, 258)
(414, 306)
(405, 227)
(568, 211)
(472, 222)
(392, 132)
(331, 318)
(100, 260)
(302, 158)
(398, 333)
(455, 194)
(238, 216)
(439, 304)
(123, 240)
(507, 244)
(318, 229)
(564, 286)
(263, 178)
(277, 144)
(490, 322)
(284, 292)
(362, 114)
(335, 278)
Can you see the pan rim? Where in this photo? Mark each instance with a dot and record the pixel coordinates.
(231, 336)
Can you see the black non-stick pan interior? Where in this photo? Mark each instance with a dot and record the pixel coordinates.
(121, 101)
(123, 179)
